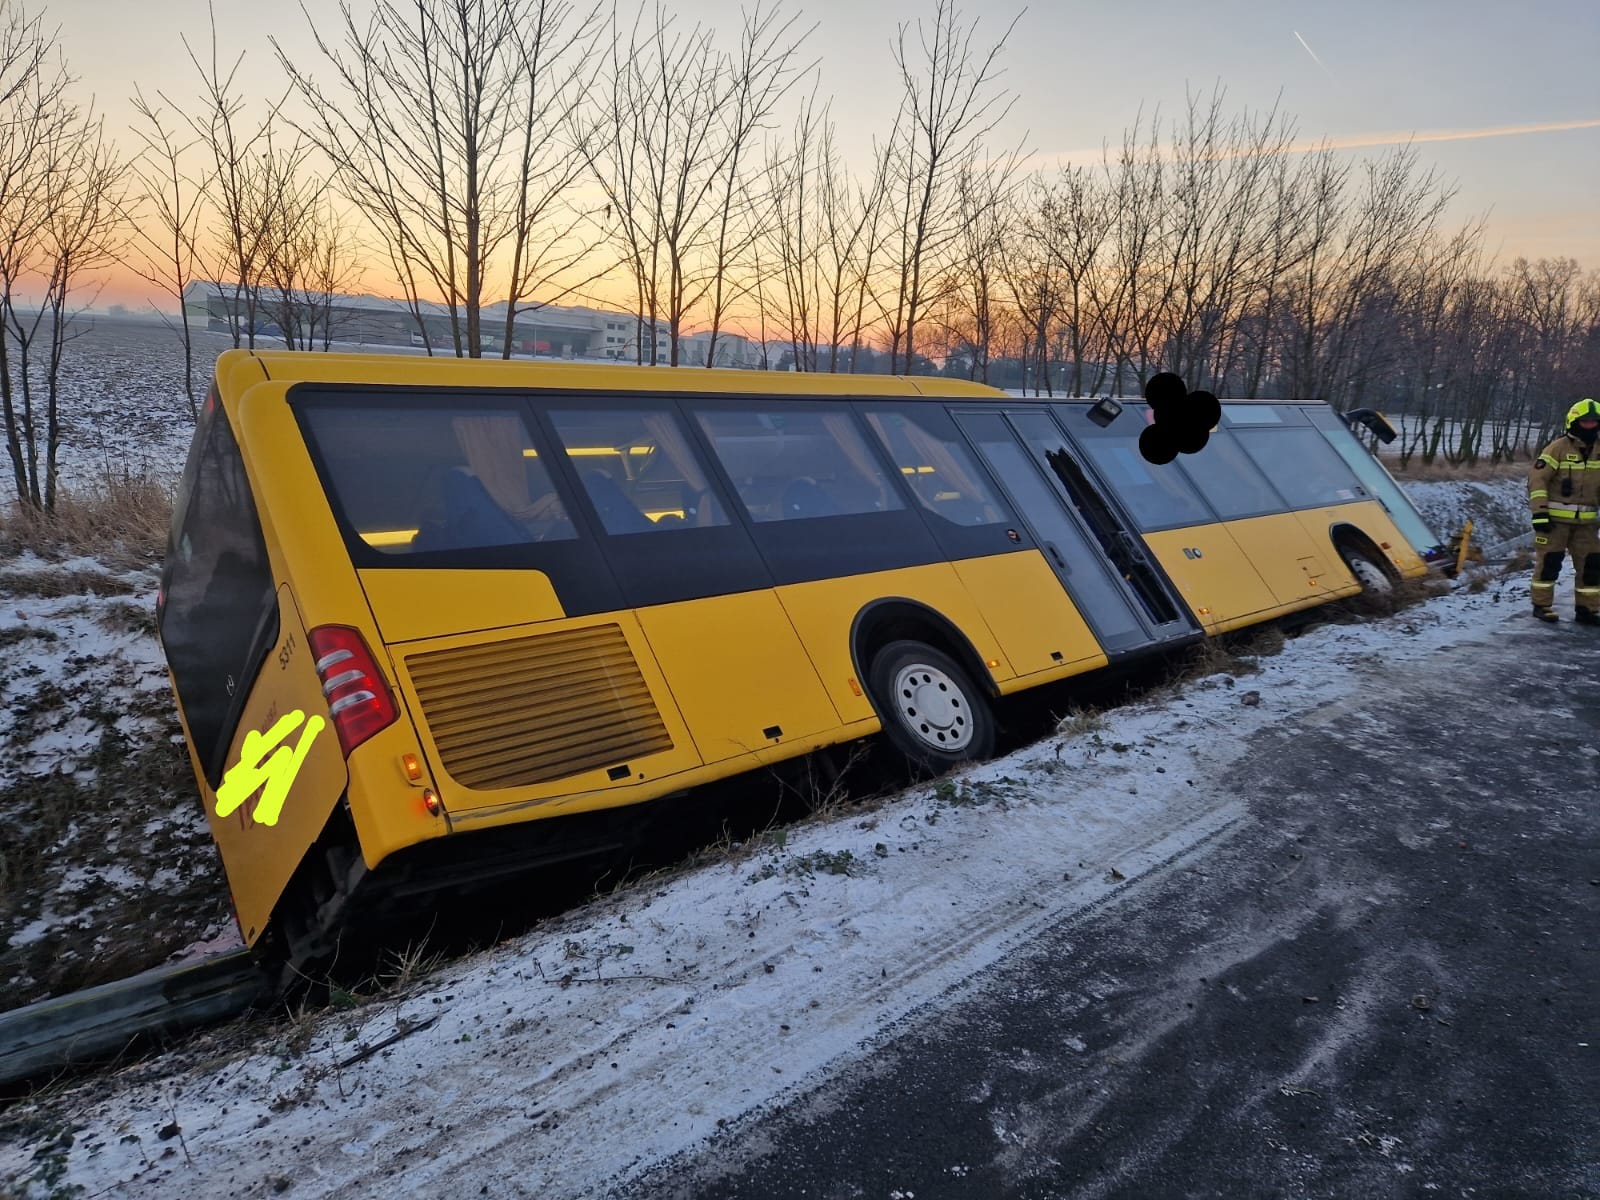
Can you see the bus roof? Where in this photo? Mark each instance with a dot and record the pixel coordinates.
(237, 369)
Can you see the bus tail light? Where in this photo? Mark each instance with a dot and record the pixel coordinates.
(358, 698)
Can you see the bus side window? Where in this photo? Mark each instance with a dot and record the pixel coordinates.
(413, 479)
(638, 469)
(1229, 481)
(794, 464)
(1302, 465)
(938, 468)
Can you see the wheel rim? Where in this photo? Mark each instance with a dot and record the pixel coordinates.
(933, 708)
(1369, 575)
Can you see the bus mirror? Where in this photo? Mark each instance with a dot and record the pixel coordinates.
(1105, 411)
(1373, 420)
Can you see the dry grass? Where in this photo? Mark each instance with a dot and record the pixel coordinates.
(1231, 653)
(52, 583)
(1080, 721)
(122, 520)
(1442, 472)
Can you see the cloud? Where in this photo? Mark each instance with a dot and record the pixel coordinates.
(1352, 141)
(1358, 140)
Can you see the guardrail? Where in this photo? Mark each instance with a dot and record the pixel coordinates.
(100, 1022)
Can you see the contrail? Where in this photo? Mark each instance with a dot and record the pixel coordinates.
(1313, 54)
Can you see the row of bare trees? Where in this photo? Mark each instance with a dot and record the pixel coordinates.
(493, 156)
(516, 153)
(1255, 268)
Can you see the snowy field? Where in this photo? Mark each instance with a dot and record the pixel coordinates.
(626, 1031)
(123, 407)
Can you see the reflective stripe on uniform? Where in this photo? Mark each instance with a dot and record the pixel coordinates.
(1578, 512)
(1541, 494)
(1572, 462)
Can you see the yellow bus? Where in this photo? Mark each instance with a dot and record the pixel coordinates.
(420, 614)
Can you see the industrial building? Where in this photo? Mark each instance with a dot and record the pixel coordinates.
(555, 331)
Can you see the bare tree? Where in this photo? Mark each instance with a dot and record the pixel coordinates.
(332, 266)
(33, 114)
(85, 198)
(1222, 236)
(549, 233)
(1253, 352)
(973, 292)
(760, 73)
(826, 230)
(1034, 284)
(1357, 246)
(670, 152)
(792, 179)
(239, 180)
(1130, 299)
(310, 257)
(289, 206)
(165, 222)
(442, 129)
(1074, 224)
(951, 102)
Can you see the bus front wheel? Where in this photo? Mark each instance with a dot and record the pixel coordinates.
(932, 712)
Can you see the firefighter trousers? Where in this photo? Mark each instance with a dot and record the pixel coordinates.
(1551, 547)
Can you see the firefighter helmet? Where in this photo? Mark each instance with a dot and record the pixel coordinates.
(1581, 410)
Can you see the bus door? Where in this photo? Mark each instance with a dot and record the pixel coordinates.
(1125, 600)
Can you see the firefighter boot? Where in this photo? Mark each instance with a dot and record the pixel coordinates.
(1544, 612)
(1586, 616)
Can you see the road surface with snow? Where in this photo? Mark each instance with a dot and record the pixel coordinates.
(1380, 980)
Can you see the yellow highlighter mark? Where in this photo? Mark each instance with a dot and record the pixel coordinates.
(277, 772)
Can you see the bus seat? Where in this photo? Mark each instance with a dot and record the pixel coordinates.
(803, 498)
(617, 513)
(471, 518)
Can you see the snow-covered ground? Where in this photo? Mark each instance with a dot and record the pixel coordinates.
(1498, 509)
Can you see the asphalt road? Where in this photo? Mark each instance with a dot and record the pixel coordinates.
(1384, 981)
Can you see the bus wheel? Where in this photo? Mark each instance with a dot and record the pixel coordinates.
(932, 712)
(1370, 574)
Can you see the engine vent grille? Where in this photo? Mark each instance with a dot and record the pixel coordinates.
(533, 709)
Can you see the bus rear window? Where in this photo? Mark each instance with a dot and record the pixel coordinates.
(219, 611)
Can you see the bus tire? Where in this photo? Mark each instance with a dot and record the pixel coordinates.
(932, 712)
(1371, 574)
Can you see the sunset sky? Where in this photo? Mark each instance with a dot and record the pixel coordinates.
(1503, 99)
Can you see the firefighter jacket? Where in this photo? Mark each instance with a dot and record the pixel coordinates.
(1564, 481)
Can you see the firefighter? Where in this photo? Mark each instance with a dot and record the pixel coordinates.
(1564, 494)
